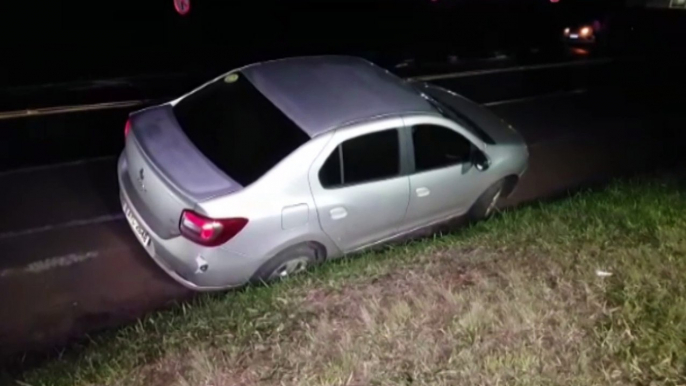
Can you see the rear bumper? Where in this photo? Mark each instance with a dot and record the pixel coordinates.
(156, 252)
(178, 257)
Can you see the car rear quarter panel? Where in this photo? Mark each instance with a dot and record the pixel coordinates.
(279, 207)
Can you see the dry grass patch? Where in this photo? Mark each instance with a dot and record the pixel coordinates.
(453, 321)
(513, 301)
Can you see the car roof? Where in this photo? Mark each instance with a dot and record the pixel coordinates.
(322, 93)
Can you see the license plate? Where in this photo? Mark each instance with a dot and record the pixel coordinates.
(574, 36)
(142, 235)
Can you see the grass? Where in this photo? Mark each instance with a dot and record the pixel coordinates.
(516, 300)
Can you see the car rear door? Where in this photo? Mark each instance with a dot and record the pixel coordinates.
(444, 182)
(360, 186)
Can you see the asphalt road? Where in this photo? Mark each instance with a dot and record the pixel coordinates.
(54, 123)
(70, 265)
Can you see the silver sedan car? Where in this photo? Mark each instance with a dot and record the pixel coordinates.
(280, 165)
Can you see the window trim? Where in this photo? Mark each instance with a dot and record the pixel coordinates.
(403, 170)
(440, 120)
(452, 114)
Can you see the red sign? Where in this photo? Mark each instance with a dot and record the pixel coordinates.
(182, 6)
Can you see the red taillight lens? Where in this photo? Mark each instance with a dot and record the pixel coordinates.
(127, 128)
(207, 231)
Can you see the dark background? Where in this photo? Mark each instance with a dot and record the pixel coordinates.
(63, 200)
(82, 53)
(61, 41)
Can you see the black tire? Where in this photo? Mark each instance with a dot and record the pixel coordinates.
(302, 256)
(484, 207)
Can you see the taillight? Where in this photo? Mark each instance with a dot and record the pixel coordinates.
(208, 231)
(127, 128)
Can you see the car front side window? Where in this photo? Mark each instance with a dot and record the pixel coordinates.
(438, 147)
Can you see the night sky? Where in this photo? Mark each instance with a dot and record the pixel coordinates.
(63, 40)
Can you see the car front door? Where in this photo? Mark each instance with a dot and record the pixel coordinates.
(444, 182)
(360, 185)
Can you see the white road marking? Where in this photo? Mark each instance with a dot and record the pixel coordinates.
(71, 109)
(50, 263)
(536, 97)
(136, 103)
(56, 166)
(69, 224)
(465, 74)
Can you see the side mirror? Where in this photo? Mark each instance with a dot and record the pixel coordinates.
(480, 160)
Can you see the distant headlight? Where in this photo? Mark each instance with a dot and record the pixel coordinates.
(567, 31)
(585, 31)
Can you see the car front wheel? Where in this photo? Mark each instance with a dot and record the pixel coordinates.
(487, 203)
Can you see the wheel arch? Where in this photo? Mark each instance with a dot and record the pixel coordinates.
(323, 249)
(320, 249)
(509, 184)
(261, 274)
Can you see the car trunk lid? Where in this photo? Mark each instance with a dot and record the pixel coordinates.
(167, 173)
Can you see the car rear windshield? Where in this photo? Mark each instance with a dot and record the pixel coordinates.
(238, 128)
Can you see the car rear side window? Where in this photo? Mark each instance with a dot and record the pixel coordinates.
(369, 157)
(238, 128)
(437, 147)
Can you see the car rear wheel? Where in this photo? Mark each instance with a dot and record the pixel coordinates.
(287, 263)
(487, 203)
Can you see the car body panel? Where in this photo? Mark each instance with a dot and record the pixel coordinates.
(358, 215)
(288, 206)
(157, 132)
(234, 263)
(445, 192)
(264, 202)
(177, 255)
(158, 203)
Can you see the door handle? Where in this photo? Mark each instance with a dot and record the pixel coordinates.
(338, 213)
(422, 192)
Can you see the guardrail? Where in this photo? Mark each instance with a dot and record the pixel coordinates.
(464, 74)
(27, 113)
(71, 109)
